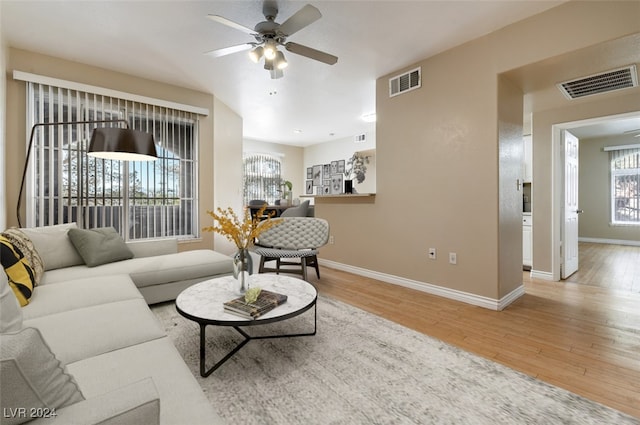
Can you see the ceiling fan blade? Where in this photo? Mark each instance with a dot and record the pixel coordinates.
(230, 23)
(299, 49)
(303, 17)
(229, 50)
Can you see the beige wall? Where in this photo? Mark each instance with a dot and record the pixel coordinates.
(511, 157)
(437, 175)
(594, 193)
(440, 169)
(73, 71)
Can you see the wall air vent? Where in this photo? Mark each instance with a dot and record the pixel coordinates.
(603, 82)
(405, 82)
(360, 138)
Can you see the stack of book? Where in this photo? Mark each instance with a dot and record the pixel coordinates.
(266, 302)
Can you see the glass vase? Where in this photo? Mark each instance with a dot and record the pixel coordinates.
(242, 268)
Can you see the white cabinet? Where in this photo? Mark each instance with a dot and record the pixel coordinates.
(527, 241)
(528, 159)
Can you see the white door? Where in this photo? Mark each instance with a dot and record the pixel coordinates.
(571, 211)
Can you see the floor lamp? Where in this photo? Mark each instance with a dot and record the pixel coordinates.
(117, 143)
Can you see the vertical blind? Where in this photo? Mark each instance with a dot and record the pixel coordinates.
(625, 186)
(140, 199)
(262, 178)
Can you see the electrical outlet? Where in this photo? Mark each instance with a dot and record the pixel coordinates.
(432, 253)
(453, 258)
(331, 240)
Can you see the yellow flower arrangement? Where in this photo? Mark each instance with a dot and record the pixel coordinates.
(241, 233)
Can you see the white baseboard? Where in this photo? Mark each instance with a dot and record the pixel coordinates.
(537, 274)
(610, 241)
(465, 297)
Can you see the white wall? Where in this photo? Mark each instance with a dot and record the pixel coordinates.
(227, 163)
(343, 149)
(3, 97)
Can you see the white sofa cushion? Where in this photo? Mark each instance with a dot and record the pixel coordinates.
(82, 293)
(182, 399)
(86, 332)
(134, 404)
(10, 311)
(54, 246)
(149, 271)
(31, 377)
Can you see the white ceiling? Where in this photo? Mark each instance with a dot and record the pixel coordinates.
(165, 41)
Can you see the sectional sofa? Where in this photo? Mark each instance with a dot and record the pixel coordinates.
(87, 349)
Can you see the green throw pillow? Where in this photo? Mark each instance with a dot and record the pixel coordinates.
(99, 246)
(18, 270)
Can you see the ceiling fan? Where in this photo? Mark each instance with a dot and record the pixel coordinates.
(269, 35)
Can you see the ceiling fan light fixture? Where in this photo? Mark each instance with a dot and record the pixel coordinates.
(268, 64)
(256, 54)
(281, 62)
(270, 50)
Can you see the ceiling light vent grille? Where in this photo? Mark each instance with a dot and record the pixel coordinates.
(616, 79)
(405, 82)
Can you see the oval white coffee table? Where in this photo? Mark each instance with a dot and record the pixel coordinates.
(203, 303)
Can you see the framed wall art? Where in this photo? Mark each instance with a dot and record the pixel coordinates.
(337, 181)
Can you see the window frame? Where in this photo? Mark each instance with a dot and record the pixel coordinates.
(615, 173)
(269, 183)
(92, 106)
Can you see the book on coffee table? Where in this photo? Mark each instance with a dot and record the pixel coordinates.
(266, 302)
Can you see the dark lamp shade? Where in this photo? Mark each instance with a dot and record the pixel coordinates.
(122, 144)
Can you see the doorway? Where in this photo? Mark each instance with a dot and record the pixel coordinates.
(559, 164)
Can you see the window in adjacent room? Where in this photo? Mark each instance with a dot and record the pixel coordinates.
(625, 186)
(262, 178)
(141, 200)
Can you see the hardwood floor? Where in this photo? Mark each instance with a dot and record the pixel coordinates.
(583, 338)
(608, 266)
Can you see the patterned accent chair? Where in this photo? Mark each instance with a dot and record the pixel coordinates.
(295, 237)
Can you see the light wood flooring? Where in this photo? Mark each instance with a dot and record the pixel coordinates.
(581, 337)
(608, 266)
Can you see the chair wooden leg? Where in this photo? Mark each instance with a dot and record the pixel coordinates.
(303, 263)
(277, 266)
(315, 263)
(261, 269)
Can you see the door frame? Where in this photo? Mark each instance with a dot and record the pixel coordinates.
(557, 177)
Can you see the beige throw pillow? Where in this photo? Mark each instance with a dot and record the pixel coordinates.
(54, 246)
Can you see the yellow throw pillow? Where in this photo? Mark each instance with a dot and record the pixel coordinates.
(18, 270)
(21, 241)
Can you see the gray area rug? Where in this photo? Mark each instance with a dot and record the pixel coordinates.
(362, 369)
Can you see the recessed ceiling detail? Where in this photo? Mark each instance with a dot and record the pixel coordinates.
(603, 82)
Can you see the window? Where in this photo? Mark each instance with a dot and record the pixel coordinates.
(140, 199)
(262, 178)
(625, 185)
